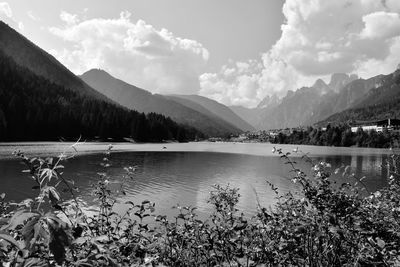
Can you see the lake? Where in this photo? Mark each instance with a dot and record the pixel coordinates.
(184, 174)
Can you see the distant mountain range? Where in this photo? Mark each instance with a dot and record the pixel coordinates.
(344, 99)
(381, 101)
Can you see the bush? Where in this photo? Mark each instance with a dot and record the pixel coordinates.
(320, 225)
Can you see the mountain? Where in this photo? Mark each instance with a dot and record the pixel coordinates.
(218, 110)
(347, 97)
(32, 108)
(254, 115)
(340, 80)
(27, 54)
(269, 102)
(251, 115)
(385, 88)
(204, 111)
(141, 100)
(321, 86)
(309, 105)
(380, 102)
(294, 110)
(40, 99)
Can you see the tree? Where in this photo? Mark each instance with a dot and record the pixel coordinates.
(347, 138)
(361, 137)
(3, 125)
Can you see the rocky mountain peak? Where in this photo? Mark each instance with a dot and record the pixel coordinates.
(269, 102)
(321, 86)
(340, 80)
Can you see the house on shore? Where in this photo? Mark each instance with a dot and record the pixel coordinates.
(391, 125)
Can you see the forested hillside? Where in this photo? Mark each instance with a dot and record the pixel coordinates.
(27, 54)
(33, 108)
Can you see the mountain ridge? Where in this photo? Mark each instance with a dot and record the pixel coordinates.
(382, 101)
(309, 105)
(133, 97)
(25, 53)
(219, 110)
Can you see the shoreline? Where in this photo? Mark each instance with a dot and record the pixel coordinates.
(257, 149)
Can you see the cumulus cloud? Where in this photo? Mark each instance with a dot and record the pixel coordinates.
(237, 83)
(318, 38)
(381, 25)
(5, 10)
(135, 52)
(68, 18)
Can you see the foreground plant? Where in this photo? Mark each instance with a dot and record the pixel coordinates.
(322, 224)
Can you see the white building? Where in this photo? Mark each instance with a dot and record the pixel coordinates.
(378, 126)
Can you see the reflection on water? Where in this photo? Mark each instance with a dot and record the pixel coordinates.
(372, 167)
(169, 178)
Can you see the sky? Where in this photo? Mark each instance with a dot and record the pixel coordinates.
(236, 52)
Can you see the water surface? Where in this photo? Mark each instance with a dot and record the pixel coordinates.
(186, 178)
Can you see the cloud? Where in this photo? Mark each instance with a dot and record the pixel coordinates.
(138, 53)
(381, 25)
(68, 18)
(32, 16)
(318, 38)
(236, 84)
(5, 10)
(7, 16)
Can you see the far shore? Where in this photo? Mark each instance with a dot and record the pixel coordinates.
(258, 149)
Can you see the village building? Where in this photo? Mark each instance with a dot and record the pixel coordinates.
(390, 125)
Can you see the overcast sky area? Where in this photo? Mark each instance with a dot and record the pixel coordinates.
(234, 51)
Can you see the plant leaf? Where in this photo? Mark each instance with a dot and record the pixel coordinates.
(19, 218)
(10, 240)
(34, 262)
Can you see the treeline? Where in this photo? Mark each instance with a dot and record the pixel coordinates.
(338, 136)
(33, 108)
